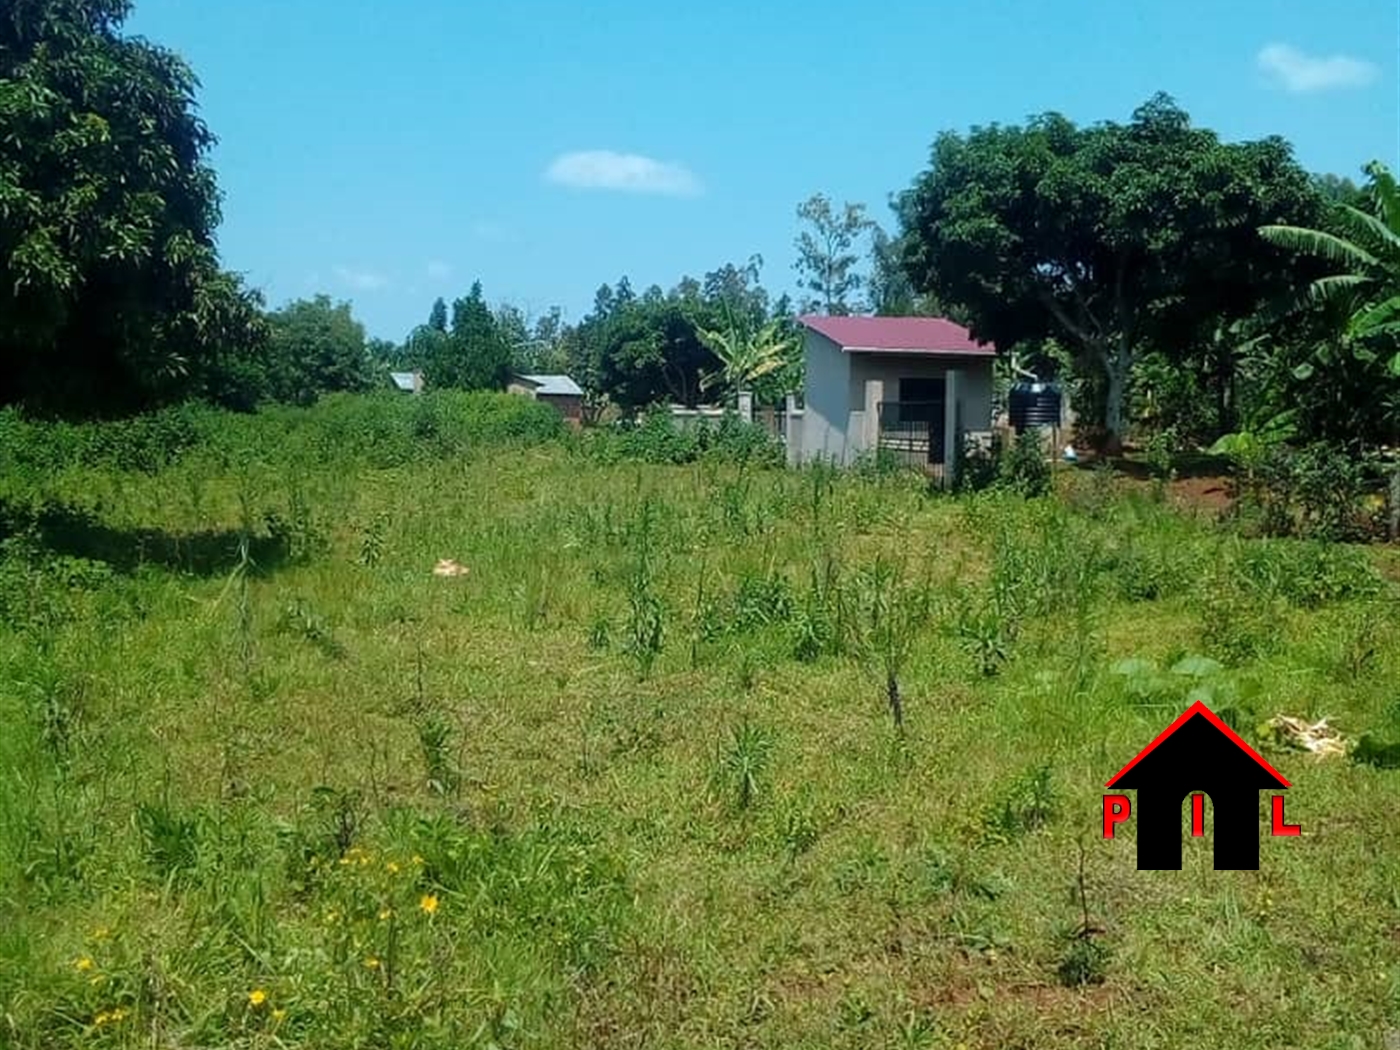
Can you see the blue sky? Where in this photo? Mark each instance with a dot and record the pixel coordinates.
(390, 153)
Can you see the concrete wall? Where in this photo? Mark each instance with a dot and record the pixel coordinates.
(826, 410)
(974, 394)
(842, 390)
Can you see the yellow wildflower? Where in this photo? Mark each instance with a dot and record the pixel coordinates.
(118, 1013)
(85, 963)
(371, 963)
(257, 997)
(417, 859)
(429, 903)
(279, 1015)
(392, 868)
(386, 914)
(102, 1018)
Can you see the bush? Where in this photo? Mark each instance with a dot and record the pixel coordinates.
(1307, 573)
(659, 438)
(382, 430)
(1019, 467)
(1317, 492)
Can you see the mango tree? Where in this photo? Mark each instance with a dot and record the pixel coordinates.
(1112, 238)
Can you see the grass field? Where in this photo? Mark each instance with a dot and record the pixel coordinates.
(635, 779)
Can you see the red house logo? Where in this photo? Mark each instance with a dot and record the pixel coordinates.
(1197, 753)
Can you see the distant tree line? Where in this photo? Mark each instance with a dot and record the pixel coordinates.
(1179, 283)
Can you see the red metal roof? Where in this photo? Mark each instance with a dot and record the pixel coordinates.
(1210, 716)
(893, 335)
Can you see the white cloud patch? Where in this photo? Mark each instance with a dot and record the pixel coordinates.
(360, 280)
(1293, 70)
(438, 270)
(624, 172)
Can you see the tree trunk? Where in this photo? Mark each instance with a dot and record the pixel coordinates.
(1117, 367)
(1113, 405)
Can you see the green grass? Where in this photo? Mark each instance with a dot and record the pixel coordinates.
(634, 780)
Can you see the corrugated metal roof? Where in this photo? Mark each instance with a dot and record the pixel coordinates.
(403, 380)
(907, 335)
(558, 385)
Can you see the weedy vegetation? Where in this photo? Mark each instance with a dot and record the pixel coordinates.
(697, 751)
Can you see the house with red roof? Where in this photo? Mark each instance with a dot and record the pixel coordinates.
(916, 386)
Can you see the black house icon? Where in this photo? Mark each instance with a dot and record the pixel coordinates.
(1198, 752)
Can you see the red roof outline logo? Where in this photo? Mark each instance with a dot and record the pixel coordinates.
(1210, 716)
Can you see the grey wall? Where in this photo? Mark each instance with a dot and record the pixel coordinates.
(974, 390)
(827, 402)
(834, 423)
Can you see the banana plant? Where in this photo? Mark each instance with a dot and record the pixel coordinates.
(1366, 298)
(745, 355)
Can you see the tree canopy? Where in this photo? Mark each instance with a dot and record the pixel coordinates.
(1115, 238)
(111, 297)
(472, 352)
(642, 350)
(828, 255)
(316, 347)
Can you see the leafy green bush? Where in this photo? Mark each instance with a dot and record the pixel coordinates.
(145, 443)
(1084, 962)
(382, 430)
(1019, 467)
(1316, 492)
(659, 438)
(1307, 574)
(1237, 627)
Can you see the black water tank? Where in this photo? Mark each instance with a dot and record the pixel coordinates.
(1034, 405)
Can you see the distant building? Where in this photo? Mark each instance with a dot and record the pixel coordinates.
(560, 391)
(408, 382)
(913, 385)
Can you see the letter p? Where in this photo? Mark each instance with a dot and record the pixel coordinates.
(1116, 809)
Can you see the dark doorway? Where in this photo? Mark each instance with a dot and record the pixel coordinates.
(921, 404)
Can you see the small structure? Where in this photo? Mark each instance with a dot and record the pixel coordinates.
(1198, 752)
(915, 386)
(560, 391)
(408, 382)
(687, 418)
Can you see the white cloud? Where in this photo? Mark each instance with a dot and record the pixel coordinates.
(627, 172)
(361, 280)
(438, 270)
(1298, 72)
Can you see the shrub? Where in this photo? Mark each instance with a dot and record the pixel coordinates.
(1084, 962)
(1317, 492)
(1024, 468)
(659, 438)
(1306, 574)
(1019, 467)
(1237, 627)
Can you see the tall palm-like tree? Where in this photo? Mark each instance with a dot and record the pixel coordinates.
(1365, 299)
